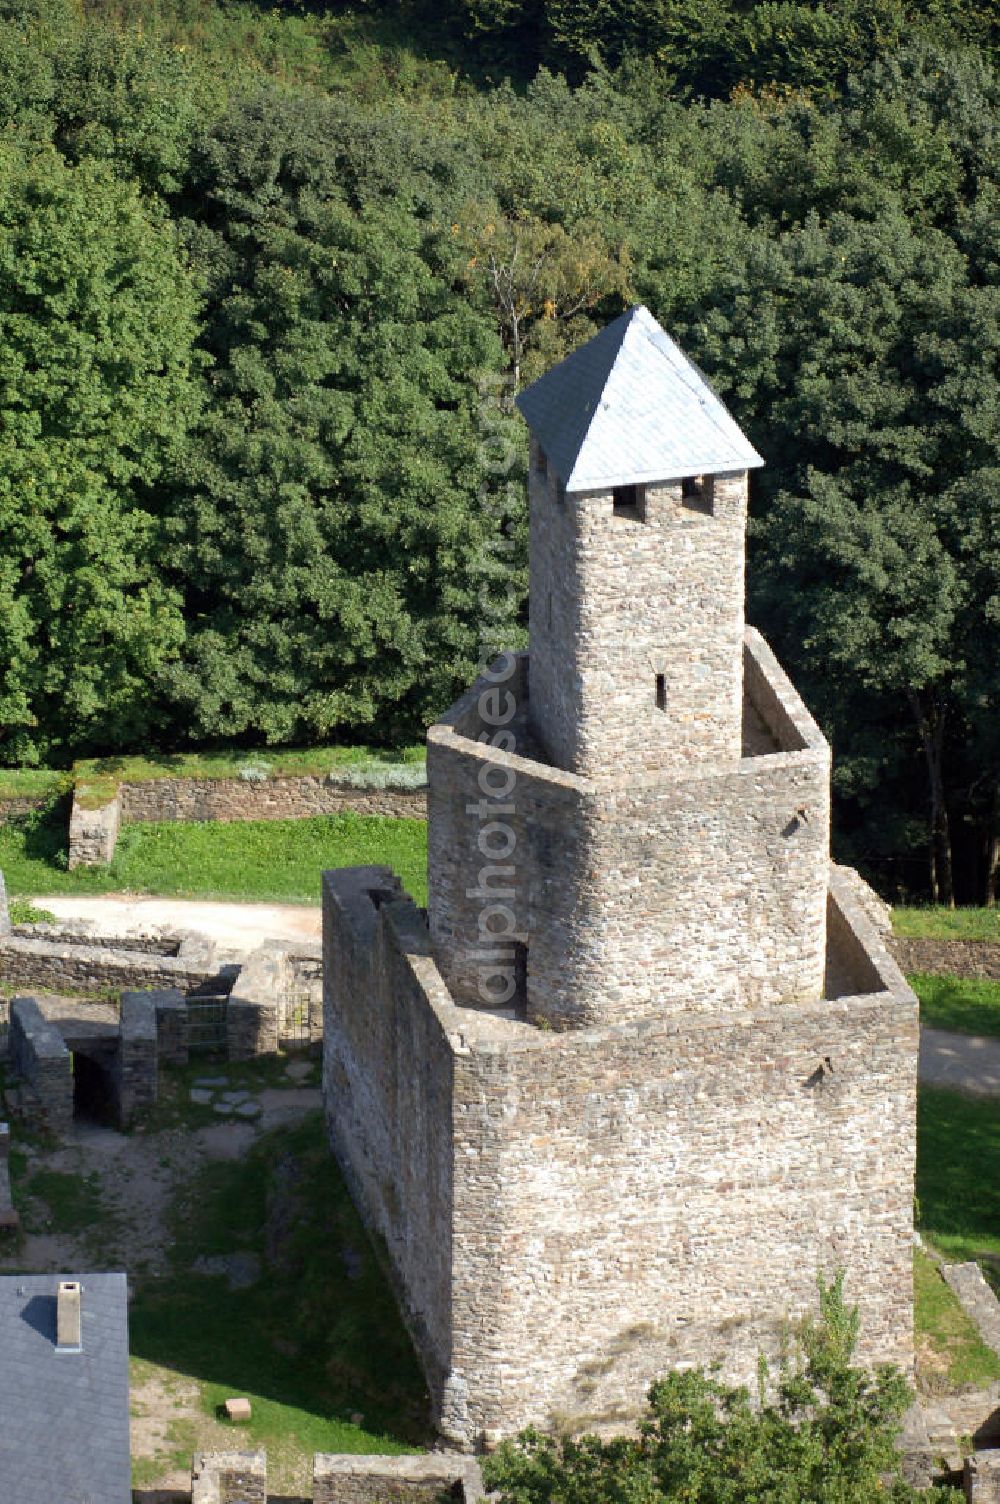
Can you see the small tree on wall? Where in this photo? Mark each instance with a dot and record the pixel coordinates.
(822, 1431)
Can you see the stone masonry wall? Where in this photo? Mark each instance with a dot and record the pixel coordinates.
(263, 799)
(669, 1196)
(697, 889)
(957, 958)
(387, 1065)
(607, 616)
(39, 1056)
(53, 966)
(136, 1076)
(618, 1200)
(229, 1478)
(9, 1218)
(350, 1479)
(93, 834)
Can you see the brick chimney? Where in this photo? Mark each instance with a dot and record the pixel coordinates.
(69, 1330)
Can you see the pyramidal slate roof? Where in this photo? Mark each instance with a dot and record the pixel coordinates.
(629, 407)
(64, 1415)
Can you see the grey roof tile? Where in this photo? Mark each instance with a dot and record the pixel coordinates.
(629, 407)
(64, 1416)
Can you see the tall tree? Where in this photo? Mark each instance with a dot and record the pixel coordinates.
(98, 385)
(338, 518)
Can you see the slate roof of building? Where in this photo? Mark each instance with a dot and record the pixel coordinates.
(64, 1416)
(629, 407)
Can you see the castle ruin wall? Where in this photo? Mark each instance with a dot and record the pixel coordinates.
(568, 1214)
(726, 868)
(387, 1086)
(607, 619)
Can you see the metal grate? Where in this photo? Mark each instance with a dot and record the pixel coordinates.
(295, 1027)
(207, 1023)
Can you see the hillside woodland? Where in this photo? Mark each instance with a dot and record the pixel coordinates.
(270, 277)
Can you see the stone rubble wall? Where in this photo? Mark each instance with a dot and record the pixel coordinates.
(341, 1478)
(976, 1298)
(703, 888)
(277, 999)
(981, 1478)
(93, 833)
(229, 1478)
(349, 1479)
(62, 966)
(17, 805)
(172, 1030)
(567, 1214)
(263, 799)
(956, 958)
(39, 1056)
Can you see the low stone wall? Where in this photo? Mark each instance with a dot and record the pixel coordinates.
(172, 1031)
(93, 833)
(956, 958)
(342, 1478)
(349, 1479)
(262, 799)
(9, 1219)
(39, 1056)
(15, 806)
(229, 1478)
(62, 966)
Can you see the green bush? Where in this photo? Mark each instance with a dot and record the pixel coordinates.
(821, 1430)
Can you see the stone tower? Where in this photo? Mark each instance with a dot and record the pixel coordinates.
(645, 1069)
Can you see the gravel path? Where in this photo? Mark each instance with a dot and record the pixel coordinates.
(240, 925)
(969, 1062)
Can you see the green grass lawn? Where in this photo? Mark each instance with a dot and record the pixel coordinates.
(32, 783)
(967, 1005)
(251, 861)
(958, 1212)
(958, 1172)
(314, 1341)
(958, 1356)
(284, 762)
(958, 1203)
(947, 924)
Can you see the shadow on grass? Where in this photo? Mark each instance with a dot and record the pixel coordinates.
(318, 1337)
(958, 1170)
(969, 1005)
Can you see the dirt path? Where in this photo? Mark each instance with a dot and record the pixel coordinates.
(238, 925)
(968, 1062)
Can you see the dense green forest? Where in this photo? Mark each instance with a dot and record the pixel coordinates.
(270, 275)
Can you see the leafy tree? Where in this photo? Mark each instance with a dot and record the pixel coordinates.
(336, 522)
(821, 1430)
(98, 383)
